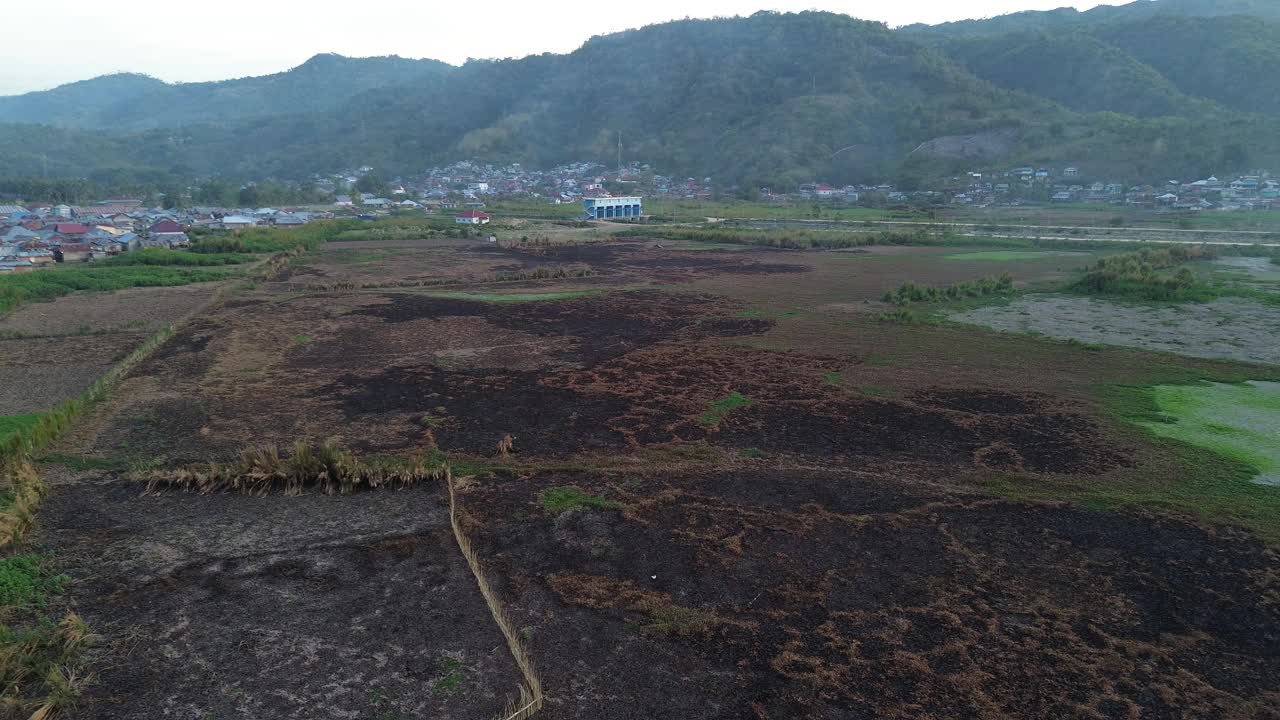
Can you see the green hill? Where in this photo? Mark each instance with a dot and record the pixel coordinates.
(773, 99)
(137, 102)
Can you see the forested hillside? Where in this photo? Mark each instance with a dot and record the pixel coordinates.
(771, 99)
(136, 102)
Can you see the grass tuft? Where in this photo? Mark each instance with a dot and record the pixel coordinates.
(556, 500)
(327, 468)
(722, 408)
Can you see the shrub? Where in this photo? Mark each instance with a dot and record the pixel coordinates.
(1139, 274)
(910, 292)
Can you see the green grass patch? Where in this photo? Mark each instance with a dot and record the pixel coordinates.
(17, 425)
(51, 283)
(84, 463)
(1006, 255)
(556, 500)
(1195, 465)
(513, 297)
(832, 378)
(301, 339)
(452, 678)
(164, 256)
(1239, 421)
(722, 407)
(752, 453)
(27, 582)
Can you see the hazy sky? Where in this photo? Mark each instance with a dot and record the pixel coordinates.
(56, 41)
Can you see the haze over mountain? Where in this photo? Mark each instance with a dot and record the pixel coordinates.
(1165, 86)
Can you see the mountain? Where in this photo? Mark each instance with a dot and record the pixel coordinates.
(772, 98)
(1068, 18)
(137, 102)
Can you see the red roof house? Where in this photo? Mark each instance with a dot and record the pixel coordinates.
(165, 226)
(471, 217)
(70, 229)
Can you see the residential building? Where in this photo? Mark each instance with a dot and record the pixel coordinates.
(471, 217)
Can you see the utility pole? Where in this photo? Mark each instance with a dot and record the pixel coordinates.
(619, 151)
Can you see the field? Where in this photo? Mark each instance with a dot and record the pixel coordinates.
(704, 481)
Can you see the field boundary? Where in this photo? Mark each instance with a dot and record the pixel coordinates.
(531, 696)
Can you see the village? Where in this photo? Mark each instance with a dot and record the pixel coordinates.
(33, 235)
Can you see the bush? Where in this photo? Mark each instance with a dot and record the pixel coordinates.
(1139, 274)
(910, 292)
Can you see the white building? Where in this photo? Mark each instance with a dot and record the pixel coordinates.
(608, 208)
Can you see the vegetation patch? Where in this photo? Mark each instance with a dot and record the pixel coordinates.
(164, 256)
(556, 500)
(1239, 421)
(910, 292)
(327, 468)
(722, 407)
(452, 676)
(1006, 255)
(11, 425)
(1146, 275)
(26, 581)
(55, 282)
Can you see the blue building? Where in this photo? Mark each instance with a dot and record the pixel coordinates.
(608, 208)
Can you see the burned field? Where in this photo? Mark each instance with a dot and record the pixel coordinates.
(308, 607)
(779, 594)
(460, 262)
(693, 503)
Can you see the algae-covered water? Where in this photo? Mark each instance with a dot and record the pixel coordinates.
(1239, 421)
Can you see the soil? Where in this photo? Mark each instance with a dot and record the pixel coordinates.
(1227, 328)
(284, 607)
(37, 374)
(766, 594)
(139, 310)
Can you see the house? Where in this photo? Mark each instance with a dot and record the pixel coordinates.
(167, 240)
(71, 230)
(63, 211)
(343, 201)
(73, 252)
(1071, 172)
(15, 265)
(237, 222)
(377, 202)
(128, 242)
(471, 217)
(289, 220)
(166, 225)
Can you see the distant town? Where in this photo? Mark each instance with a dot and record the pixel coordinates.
(34, 234)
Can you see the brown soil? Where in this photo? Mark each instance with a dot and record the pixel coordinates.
(144, 310)
(784, 595)
(39, 373)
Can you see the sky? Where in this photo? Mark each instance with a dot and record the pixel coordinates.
(59, 41)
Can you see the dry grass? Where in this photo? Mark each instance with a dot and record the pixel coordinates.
(18, 477)
(531, 697)
(36, 668)
(327, 468)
